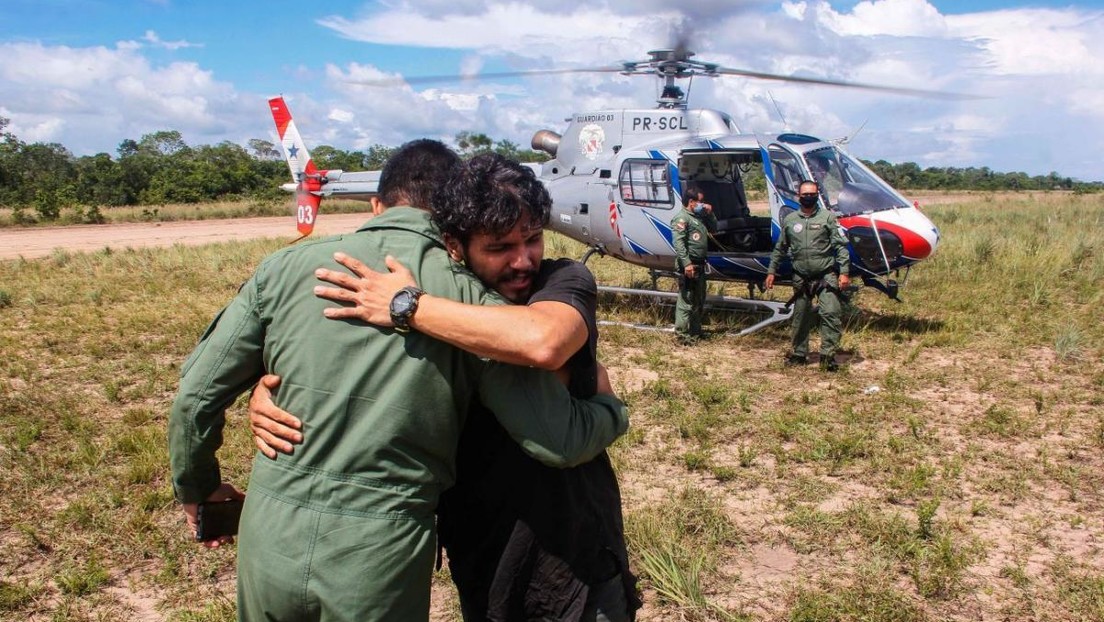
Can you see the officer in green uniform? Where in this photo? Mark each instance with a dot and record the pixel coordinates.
(343, 529)
(811, 236)
(690, 229)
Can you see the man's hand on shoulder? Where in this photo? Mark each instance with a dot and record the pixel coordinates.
(368, 292)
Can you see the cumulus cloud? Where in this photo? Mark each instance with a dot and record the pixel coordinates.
(89, 99)
(154, 40)
(1039, 68)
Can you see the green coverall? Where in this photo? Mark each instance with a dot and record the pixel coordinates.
(343, 529)
(818, 251)
(691, 240)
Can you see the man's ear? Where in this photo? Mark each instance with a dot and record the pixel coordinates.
(377, 206)
(455, 248)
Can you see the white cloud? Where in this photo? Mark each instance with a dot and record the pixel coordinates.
(1037, 41)
(341, 115)
(514, 28)
(1034, 64)
(89, 99)
(152, 38)
(1040, 68)
(900, 18)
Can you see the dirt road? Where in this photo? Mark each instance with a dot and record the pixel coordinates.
(33, 242)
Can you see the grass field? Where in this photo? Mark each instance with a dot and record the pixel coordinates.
(952, 471)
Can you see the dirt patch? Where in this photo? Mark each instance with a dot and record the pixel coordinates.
(32, 242)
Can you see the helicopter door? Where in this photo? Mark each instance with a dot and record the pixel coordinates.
(784, 176)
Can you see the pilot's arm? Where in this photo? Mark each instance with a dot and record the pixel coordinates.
(532, 406)
(843, 256)
(710, 220)
(679, 233)
(225, 364)
(544, 334)
(541, 416)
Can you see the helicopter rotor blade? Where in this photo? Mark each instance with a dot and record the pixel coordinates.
(386, 82)
(897, 90)
(662, 62)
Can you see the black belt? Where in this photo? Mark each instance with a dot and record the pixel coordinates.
(811, 288)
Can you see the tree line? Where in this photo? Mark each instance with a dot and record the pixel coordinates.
(38, 180)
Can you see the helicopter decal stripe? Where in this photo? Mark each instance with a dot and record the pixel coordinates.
(614, 211)
(663, 229)
(750, 266)
(768, 170)
(637, 248)
(714, 144)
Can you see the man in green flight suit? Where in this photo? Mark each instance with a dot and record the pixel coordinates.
(690, 230)
(812, 238)
(343, 530)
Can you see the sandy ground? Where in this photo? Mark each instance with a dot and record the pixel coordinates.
(32, 242)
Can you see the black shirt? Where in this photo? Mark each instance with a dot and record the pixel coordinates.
(524, 539)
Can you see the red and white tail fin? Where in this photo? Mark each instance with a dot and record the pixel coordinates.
(307, 178)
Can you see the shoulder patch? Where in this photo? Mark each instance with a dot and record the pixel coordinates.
(680, 224)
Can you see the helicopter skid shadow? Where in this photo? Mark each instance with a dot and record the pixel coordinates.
(896, 323)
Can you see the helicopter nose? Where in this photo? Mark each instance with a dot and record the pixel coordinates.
(891, 239)
(919, 235)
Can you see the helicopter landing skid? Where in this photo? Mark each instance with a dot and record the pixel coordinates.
(778, 311)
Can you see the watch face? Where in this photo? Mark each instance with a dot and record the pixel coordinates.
(402, 302)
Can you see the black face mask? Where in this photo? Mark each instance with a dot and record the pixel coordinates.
(808, 202)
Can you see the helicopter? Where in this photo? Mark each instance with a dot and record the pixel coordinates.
(616, 179)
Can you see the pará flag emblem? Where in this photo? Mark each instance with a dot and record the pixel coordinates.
(613, 219)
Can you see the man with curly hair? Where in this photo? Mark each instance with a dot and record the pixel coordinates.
(524, 541)
(344, 528)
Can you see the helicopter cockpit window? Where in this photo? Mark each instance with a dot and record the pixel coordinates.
(645, 182)
(787, 172)
(848, 185)
(827, 172)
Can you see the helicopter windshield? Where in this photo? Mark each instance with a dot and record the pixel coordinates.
(848, 185)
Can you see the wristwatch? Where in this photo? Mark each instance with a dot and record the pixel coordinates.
(403, 305)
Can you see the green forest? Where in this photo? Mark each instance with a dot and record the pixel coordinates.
(38, 180)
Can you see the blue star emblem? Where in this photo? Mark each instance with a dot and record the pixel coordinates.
(293, 152)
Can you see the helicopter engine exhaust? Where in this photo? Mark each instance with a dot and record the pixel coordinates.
(546, 141)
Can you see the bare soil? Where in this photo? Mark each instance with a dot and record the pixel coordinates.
(32, 242)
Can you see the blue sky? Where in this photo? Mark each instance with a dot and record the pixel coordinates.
(91, 73)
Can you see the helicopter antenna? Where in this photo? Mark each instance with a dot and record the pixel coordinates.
(785, 123)
(847, 139)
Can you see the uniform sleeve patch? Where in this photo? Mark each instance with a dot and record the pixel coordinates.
(680, 225)
(695, 236)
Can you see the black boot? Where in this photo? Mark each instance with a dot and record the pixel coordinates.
(795, 360)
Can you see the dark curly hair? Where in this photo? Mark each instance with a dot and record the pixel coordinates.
(489, 194)
(414, 173)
